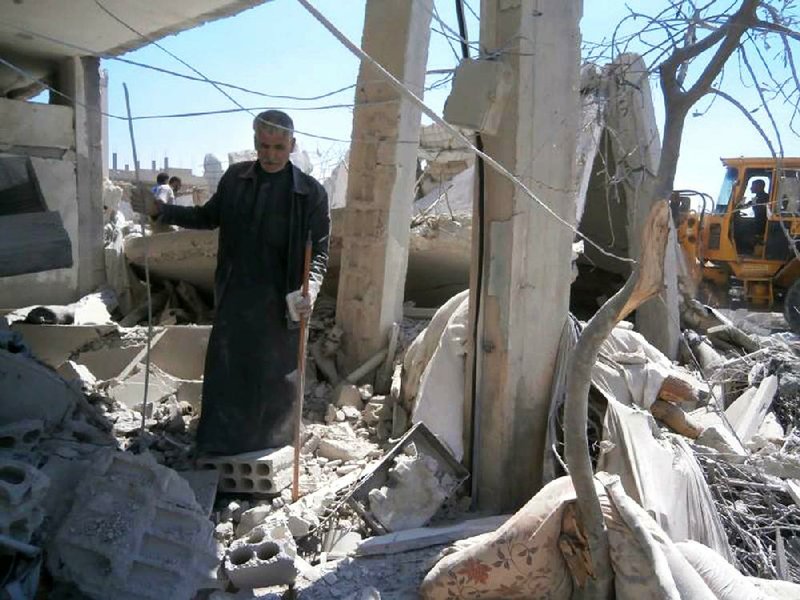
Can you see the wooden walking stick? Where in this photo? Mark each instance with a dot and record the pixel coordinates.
(301, 374)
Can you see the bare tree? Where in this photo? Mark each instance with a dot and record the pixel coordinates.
(693, 46)
(689, 46)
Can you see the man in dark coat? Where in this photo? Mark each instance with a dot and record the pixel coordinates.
(265, 211)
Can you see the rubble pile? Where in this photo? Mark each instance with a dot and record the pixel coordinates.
(755, 509)
(751, 453)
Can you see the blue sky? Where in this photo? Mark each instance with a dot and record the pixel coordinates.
(280, 49)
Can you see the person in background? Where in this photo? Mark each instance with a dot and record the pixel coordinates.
(162, 190)
(174, 184)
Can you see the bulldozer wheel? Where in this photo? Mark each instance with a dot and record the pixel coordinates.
(791, 307)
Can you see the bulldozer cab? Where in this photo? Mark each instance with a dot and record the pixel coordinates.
(751, 230)
(756, 215)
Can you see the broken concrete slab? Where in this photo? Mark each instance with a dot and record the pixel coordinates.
(264, 558)
(346, 544)
(253, 517)
(341, 443)
(204, 485)
(135, 530)
(749, 410)
(182, 351)
(54, 344)
(424, 537)
(32, 391)
(130, 392)
(33, 242)
(260, 472)
(72, 371)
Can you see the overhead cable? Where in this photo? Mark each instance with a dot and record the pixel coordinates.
(233, 86)
(404, 90)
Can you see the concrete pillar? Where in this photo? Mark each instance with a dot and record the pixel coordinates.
(636, 145)
(526, 278)
(381, 178)
(80, 79)
(104, 119)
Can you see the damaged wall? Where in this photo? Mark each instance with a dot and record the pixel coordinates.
(46, 133)
(65, 144)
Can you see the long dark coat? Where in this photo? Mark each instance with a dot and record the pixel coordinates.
(248, 394)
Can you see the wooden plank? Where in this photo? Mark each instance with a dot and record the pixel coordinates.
(424, 537)
(33, 242)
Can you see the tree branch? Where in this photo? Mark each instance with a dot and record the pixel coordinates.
(733, 30)
(747, 115)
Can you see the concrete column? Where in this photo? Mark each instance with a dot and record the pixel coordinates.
(526, 279)
(80, 79)
(383, 158)
(636, 145)
(104, 120)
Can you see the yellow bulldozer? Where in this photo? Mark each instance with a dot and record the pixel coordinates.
(744, 246)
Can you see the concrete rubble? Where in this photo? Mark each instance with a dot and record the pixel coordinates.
(135, 531)
(415, 490)
(738, 410)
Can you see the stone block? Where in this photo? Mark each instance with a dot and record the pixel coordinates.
(32, 391)
(259, 472)
(253, 517)
(135, 531)
(264, 558)
(348, 395)
(22, 489)
(341, 443)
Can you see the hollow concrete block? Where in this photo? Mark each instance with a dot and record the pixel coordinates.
(22, 490)
(263, 558)
(258, 472)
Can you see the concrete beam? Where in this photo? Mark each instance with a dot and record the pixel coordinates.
(36, 125)
(380, 187)
(526, 272)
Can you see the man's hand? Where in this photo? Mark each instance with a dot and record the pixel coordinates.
(144, 203)
(300, 307)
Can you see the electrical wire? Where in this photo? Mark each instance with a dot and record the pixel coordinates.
(33, 77)
(214, 85)
(477, 299)
(148, 289)
(397, 84)
(404, 90)
(89, 52)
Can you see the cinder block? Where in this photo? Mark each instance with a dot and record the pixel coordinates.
(22, 436)
(135, 531)
(263, 558)
(260, 472)
(22, 491)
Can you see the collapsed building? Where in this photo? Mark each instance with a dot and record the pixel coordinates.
(429, 405)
